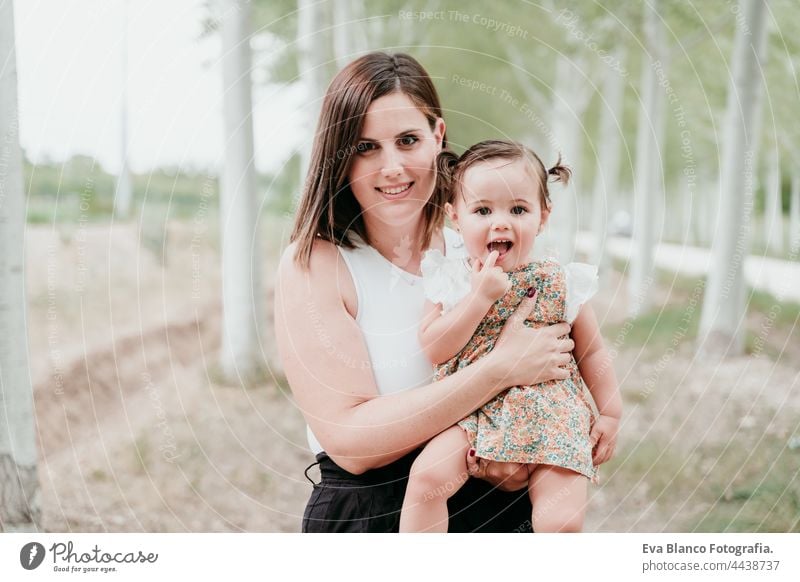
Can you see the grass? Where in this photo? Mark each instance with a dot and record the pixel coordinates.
(745, 485)
(764, 495)
(652, 462)
(679, 317)
(716, 489)
(142, 454)
(786, 313)
(670, 326)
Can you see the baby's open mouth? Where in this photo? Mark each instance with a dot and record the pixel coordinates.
(501, 246)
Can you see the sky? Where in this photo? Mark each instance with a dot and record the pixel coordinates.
(69, 60)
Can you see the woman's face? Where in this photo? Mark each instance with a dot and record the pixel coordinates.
(393, 172)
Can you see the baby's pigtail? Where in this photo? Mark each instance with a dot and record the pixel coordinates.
(445, 163)
(562, 173)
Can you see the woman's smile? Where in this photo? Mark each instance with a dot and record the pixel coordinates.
(395, 192)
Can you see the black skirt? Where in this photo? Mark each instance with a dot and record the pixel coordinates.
(371, 502)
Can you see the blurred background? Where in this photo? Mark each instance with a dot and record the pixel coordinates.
(151, 157)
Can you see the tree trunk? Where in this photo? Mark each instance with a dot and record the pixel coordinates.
(349, 35)
(773, 204)
(794, 213)
(722, 320)
(241, 288)
(315, 53)
(19, 485)
(123, 197)
(647, 182)
(606, 184)
(570, 99)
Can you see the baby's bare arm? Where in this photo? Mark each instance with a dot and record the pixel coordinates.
(595, 363)
(597, 371)
(444, 335)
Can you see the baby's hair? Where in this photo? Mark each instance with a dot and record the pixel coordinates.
(451, 168)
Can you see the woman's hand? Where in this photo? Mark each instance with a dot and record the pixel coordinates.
(528, 356)
(604, 438)
(504, 476)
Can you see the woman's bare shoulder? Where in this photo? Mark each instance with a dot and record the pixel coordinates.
(324, 257)
(325, 274)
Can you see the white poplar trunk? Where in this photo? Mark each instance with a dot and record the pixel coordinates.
(794, 213)
(606, 184)
(710, 204)
(314, 55)
(647, 181)
(571, 97)
(348, 33)
(19, 485)
(241, 288)
(123, 197)
(722, 320)
(773, 208)
(342, 30)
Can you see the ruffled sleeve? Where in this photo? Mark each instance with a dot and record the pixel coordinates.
(581, 281)
(444, 278)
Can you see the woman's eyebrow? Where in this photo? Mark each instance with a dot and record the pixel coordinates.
(401, 134)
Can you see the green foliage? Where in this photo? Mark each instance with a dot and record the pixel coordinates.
(278, 20)
(78, 188)
(670, 325)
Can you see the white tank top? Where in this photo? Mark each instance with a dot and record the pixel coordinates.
(390, 308)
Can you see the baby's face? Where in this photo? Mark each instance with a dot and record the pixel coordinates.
(499, 209)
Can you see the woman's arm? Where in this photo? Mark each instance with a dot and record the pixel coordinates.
(597, 370)
(443, 335)
(327, 366)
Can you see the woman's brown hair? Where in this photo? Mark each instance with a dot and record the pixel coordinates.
(327, 208)
(452, 168)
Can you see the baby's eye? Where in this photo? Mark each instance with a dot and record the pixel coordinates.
(408, 140)
(364, 147)
(519, 210)
(483, 211)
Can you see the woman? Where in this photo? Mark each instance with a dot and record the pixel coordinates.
(349, 301)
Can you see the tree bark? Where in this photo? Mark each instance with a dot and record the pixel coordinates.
(19, 485)
(570, 98)
(647, 182)
(606, 184)
(722, 320)
(123, 197)
(794, 213)
(241, 286)
(315, 50)
(773, 207)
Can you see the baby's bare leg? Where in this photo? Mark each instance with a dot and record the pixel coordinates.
(558, 497)
(437, 473)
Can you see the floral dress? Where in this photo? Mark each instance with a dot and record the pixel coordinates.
(547, 423)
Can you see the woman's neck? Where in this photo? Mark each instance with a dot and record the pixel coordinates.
(400, 244)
